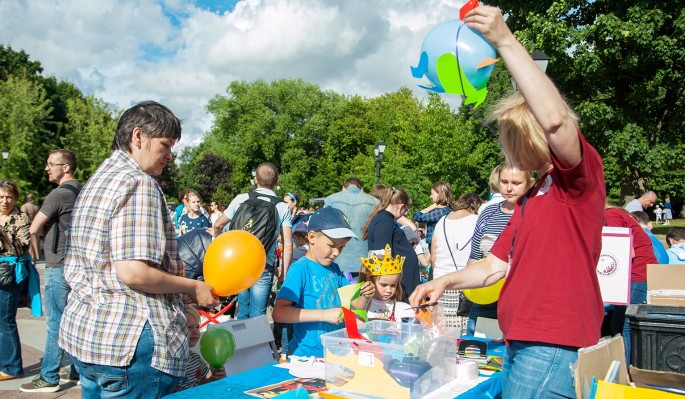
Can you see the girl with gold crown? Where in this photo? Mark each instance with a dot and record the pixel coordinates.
(385, 275)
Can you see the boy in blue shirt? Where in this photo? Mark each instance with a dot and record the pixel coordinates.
(309, 296)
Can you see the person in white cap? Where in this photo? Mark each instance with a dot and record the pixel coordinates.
(309, 296)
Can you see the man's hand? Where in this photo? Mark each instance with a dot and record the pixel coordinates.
(203, 295)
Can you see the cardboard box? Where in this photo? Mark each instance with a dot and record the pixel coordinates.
(666, 285)
(596, 360)
(400, 361)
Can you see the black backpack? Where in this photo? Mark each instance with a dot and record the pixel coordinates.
(258, 217)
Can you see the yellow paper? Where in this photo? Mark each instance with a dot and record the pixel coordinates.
(608, 390)
(349, 293)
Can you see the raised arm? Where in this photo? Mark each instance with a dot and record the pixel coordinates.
(543, 98)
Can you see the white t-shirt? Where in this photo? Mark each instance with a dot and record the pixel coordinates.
(283, 219)
(384, 310)
(459, 235)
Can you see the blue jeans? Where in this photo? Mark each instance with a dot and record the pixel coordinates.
(253, 301)
(54, 301)
(489, 311)
(638, 295)
(10, 346)
(538, 370)
(137, 380)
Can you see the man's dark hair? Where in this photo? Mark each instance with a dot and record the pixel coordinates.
(676, 234)
(68, 157)
(154, 119)
(353, 181)
(641, 217)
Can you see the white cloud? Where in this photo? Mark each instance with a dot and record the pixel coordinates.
(182, 55)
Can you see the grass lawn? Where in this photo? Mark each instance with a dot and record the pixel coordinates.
(660, 230)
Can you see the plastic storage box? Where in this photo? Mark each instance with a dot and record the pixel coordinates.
(657, 337)
(400, 361)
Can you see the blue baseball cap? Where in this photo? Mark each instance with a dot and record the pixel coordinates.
(332, 222)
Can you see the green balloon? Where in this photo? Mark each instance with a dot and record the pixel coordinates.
(217, 345)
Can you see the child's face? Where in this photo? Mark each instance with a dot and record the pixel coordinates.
(194, 203)
(386, 286)
(193, 330)
(323, 249)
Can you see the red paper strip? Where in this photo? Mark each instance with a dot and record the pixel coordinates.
(466, 8)
(351, 324)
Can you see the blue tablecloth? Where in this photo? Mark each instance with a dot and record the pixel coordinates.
(236, 385)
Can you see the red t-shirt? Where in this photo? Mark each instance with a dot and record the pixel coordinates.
(551, 293)
(644, 252)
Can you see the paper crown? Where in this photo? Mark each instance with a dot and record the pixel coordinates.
(385, 267)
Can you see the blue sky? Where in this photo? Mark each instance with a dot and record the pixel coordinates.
(184, 53)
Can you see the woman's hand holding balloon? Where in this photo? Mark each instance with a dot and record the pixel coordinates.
(489, 21)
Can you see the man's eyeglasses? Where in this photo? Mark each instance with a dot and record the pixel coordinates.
(52, 165)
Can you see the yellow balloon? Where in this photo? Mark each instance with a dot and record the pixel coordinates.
(234, 261)
(485, 295)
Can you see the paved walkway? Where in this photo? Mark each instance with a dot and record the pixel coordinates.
(32, 335)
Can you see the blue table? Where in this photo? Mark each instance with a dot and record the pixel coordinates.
(234, 387)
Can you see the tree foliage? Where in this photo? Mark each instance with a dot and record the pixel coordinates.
(39, 114)
(622, 66)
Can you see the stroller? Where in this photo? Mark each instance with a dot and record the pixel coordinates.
(192, 247)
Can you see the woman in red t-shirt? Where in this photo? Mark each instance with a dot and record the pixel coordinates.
(550, 304)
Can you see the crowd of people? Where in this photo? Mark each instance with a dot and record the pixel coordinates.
(119, 304)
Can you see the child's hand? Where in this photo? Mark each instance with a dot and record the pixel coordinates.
(333, 316)
(368, 290)
(217, 374)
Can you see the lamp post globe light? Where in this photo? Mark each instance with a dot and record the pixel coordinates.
(5, 154)
(378, 151)
(541, 60)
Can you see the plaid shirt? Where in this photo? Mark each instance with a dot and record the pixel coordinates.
(431, 219)
(121, 214)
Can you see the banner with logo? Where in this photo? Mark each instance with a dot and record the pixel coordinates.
(614, 266)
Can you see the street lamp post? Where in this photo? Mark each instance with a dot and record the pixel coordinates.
(5, 154)
(541, 60)
(378, 151)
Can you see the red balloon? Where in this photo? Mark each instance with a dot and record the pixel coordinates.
(234, 261)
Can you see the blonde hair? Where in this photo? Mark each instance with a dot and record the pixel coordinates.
(190, 311)
(390, 196)
(493, 182)
(365, 276)
(522, 137)
(444, 193)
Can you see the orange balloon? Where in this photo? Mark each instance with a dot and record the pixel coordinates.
(234, 261)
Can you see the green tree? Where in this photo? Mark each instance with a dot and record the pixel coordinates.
(89, 132)
(622, 66)
(24, 110)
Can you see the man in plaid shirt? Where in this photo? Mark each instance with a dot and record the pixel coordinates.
(124, 325)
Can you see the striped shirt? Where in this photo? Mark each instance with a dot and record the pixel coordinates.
(491, 222)
(121, 214)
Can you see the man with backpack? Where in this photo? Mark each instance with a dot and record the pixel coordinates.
(263, 214)
(54, 217)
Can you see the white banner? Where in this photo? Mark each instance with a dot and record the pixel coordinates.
(614, 266)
